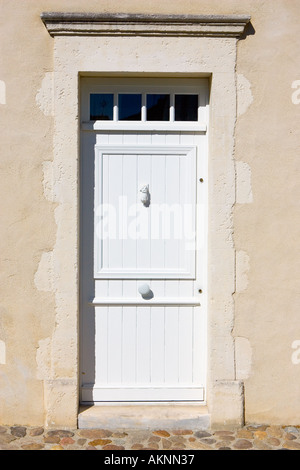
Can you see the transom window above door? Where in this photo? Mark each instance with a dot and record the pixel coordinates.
(145, 104)
(143, 107)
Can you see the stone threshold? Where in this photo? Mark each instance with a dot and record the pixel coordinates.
(144, 416)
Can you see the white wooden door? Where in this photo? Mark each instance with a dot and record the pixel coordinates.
(143, 248)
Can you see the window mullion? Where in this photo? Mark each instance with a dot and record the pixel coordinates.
(144, 111)
(116, 108)
(172, 107)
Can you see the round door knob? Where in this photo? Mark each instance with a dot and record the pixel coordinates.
(144, 289)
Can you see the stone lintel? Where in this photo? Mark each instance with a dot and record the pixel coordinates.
(122, 24)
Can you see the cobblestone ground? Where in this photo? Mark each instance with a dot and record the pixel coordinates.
(247, 438)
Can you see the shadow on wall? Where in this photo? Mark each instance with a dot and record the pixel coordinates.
(248, 31)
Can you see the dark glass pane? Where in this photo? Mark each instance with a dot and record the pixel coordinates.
(158, 107)
(186, 107)
(101, 107)
(130, 107)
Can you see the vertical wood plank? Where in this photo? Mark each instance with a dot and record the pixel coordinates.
(198, 346)
(130, 138)
(129, 198)
(115, 189)
(129, 341)
(173, 222)
(171, 335)
(103, 213)
(143, 373)
(157, 345)
(144, 138)
(115, 138)
(114, 345)
(101, 345)
(158, 138)
(185, 345)
(157, 190)
(114, 333)
(142, 221)
(102, 138)
(101, 288)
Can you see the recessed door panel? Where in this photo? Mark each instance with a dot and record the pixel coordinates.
(145, 212)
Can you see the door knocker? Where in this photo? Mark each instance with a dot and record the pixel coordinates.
(145, 198)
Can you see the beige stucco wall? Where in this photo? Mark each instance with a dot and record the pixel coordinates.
(266, 324)
(266, 220)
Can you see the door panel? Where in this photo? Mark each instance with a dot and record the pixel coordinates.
(146, 347)
(136, 347)
(134, 240)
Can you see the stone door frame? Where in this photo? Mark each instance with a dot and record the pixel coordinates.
(144, 45)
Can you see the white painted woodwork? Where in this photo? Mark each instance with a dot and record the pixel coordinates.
(135, 348)
(124, 247)
(144, 126)
(140, 301)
